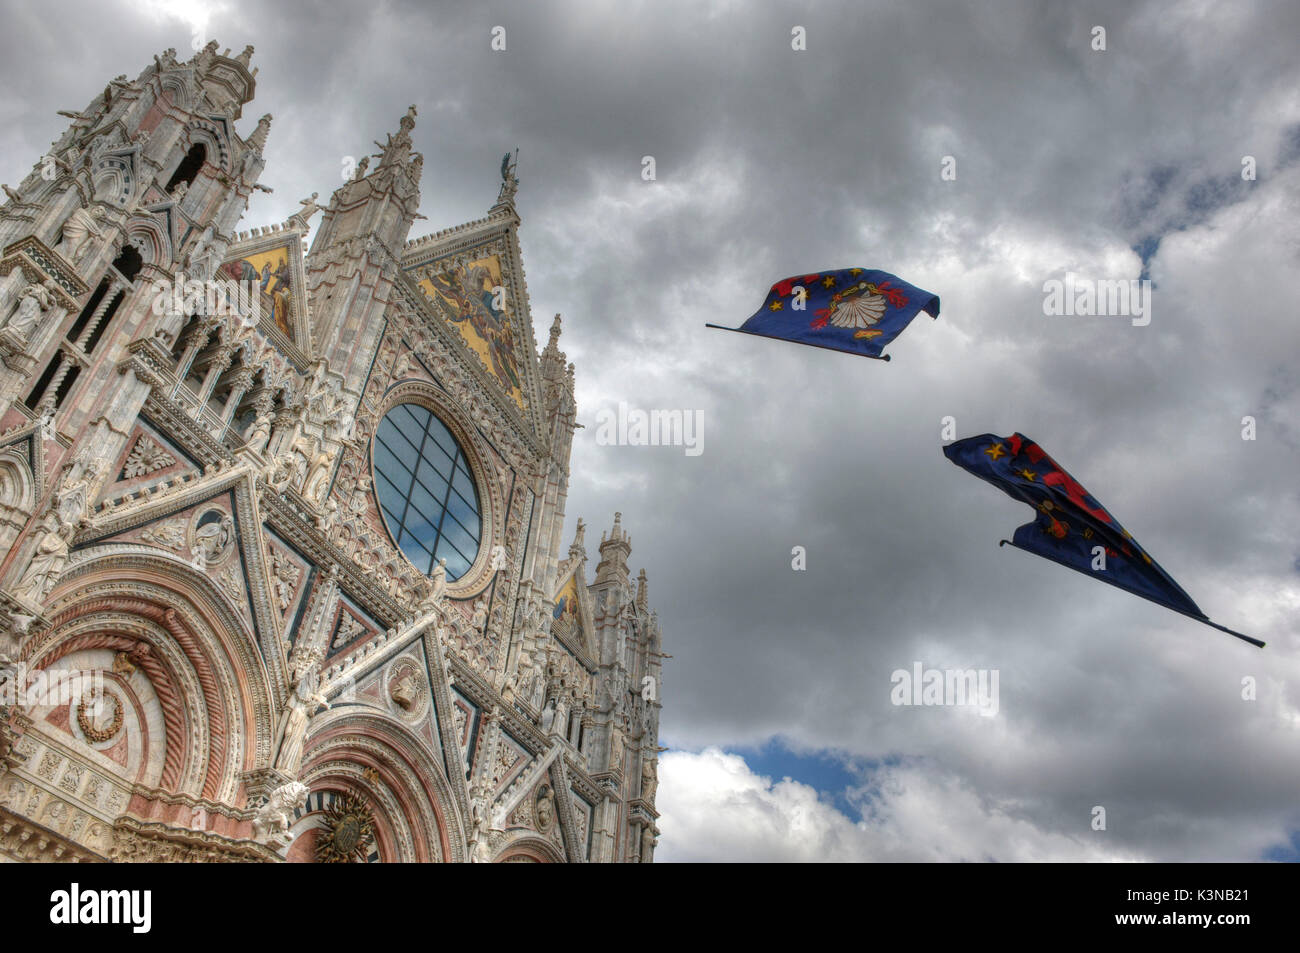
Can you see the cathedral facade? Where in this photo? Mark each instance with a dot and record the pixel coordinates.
(283, 570)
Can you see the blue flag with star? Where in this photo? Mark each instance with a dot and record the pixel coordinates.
(1070, 526)
(858, 310)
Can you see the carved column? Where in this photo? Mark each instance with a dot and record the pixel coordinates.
(49, 400)
(221, 360)
(195, 341)
(115, 288)
(243, 381)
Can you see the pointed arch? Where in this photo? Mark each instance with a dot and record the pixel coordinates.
(355, 750)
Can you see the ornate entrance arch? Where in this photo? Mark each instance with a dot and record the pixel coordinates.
(358, 752)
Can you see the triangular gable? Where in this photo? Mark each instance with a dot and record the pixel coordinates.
(187, 519)
(291, 576)
(350, 627)
(147, 459)
(464, 725)
(25, 443)
(402, 689)
(472, 280)
(272, 258)
(168, 220)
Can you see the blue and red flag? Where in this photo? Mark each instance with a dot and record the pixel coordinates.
(858, 310)
(1070, 524)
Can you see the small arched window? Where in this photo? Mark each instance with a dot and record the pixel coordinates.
(189, 168)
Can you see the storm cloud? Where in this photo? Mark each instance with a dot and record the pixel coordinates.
(771, 162)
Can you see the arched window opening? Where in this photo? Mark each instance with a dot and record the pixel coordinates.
(189, 168)
(94, 319)
(129, 262)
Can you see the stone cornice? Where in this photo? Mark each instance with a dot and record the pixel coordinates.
(27, 841)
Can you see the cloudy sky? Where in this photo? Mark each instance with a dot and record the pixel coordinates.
(773, 162)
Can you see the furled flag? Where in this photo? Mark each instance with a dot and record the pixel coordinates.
(1071, 527)
(853, 309)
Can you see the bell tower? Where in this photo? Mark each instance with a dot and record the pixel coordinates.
(144, 185)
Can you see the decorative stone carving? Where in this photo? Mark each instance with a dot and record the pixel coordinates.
(284, 579)
(272, 822)
(349, 629)
(14, 628)
(214, 537)
(200, 261)
(145, 457)
(544, 809)
(91, 721)
(170, 534)
(402, 366)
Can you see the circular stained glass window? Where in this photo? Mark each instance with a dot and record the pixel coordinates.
(425, 490)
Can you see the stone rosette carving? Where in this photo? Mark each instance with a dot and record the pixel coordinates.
(146, 456)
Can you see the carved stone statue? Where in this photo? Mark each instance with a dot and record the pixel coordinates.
(13, 632)
(316, 483)
(480, 614)
(545, 809)
(649, 780)
(258, 433)
(309, 208)
(403, 691)
(509, 181)
(10, 288)
(328, 517)
(438, 582)
(303, 702)
(299, 458)
(203, 246)
(213, 540)
(82, 226)
(73, 498)
(615, 748)
(33, 304)
(480, 851)
(48, 561)
(272, 821)
(402, 366)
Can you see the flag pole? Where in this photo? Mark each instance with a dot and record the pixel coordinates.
(1199, 618)
(1222, 628)
(824, 347)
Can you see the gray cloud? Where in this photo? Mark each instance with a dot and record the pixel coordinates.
(772, 163)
